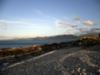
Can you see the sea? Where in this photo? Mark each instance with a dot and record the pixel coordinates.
(28, 42)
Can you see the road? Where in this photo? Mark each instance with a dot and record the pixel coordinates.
(57, 62)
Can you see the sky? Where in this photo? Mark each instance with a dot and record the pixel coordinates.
(39, 18)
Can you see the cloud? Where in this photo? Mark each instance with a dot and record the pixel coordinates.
(18, 22)
(63, 24)
(3, 25)
(88, 23)
(83, 30)
(77, 18)
(8, 24)
(76, 25)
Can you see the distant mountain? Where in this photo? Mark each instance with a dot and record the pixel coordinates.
(51, 37)
(40, 40)
(58, 38)
(62, 37)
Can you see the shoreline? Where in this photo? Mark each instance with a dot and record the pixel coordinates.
(12, 55)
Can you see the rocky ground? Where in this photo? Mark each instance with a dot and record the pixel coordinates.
(72, 61)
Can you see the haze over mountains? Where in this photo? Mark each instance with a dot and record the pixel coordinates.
(39, 40)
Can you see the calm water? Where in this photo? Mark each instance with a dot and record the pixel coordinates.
(29, 42)
(19, 43)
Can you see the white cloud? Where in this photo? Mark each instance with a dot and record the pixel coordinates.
(63, 24)
(83, 30)
(88, 23)
(14, 22)
(76, 25)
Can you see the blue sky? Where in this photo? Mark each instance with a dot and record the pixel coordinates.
(32, 18)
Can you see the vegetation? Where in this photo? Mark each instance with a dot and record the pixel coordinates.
(40, 49)
(37, 49)
(20, 51)
(89, 41)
